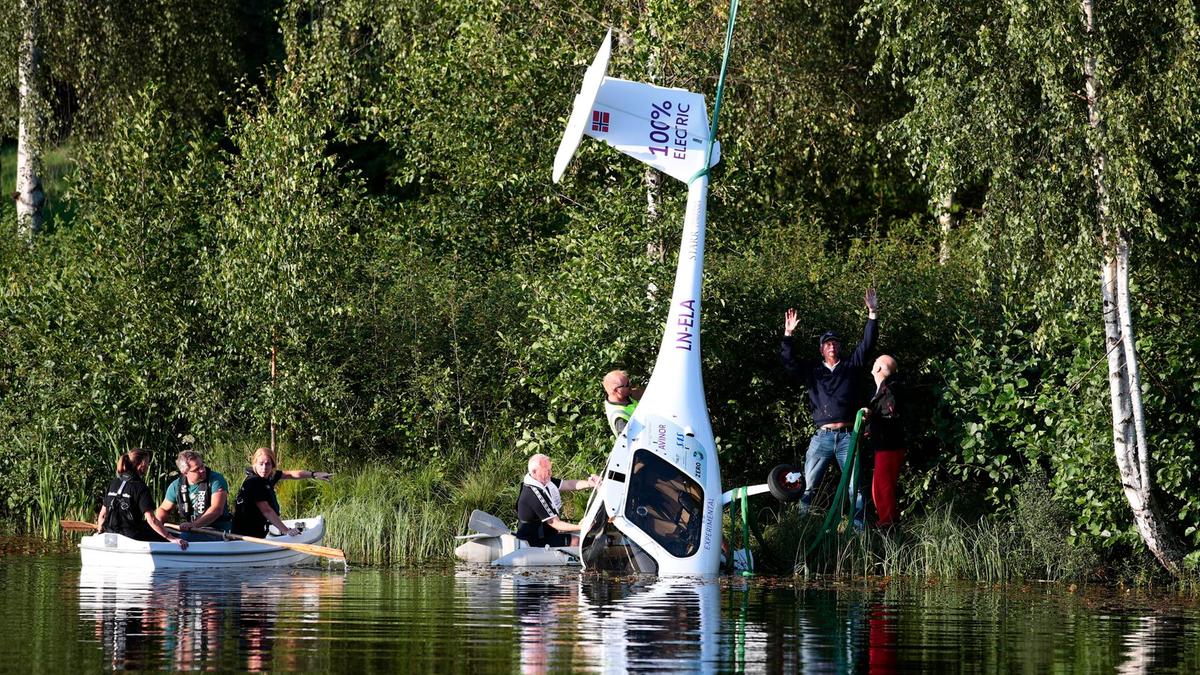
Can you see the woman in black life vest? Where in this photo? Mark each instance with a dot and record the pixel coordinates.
(128, 509)
(257, 507)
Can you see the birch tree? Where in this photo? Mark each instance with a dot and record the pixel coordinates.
(1128, 417)
(31, 134)
(1071, 129)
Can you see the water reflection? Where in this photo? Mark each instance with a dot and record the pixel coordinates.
(663, 624)
(183, 619)
(478, 621)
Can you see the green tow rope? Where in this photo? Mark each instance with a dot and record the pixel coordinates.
(746, 529)
(849, 479)
(741, 500)
(716, 116)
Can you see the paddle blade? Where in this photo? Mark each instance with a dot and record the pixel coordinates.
(487, 524)
(313, 549)
(77, 526)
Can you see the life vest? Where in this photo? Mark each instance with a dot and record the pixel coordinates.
(120, 511)
(185, 498)
(535, 531)
(619, 412)
(543, 496)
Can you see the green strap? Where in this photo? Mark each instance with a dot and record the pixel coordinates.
(746, 527)
(716, 116)
(849, 471)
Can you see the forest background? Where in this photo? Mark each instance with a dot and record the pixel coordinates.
(364, 191)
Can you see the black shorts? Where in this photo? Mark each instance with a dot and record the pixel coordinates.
(543, 535)
(556, 538)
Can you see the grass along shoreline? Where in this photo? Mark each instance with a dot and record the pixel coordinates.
(399, 514)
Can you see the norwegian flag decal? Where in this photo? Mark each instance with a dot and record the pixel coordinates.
(599, 121)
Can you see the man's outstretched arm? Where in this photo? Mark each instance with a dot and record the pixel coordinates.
(870, 330)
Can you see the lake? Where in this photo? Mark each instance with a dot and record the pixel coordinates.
(448, 619)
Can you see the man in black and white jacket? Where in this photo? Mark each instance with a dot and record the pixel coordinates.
(539, 508)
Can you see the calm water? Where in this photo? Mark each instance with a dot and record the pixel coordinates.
(58, 619)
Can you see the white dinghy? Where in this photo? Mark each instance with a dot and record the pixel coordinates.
(659, 508)
(494, 543)
(114, 550)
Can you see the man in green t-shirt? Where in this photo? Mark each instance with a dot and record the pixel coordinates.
(207, 500)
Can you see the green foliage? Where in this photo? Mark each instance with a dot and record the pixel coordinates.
(1041, 525)
(56, 170)
(97, 57)
(283, 271)
(363, 188)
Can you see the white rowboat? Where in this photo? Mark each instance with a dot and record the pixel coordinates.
(114, 550)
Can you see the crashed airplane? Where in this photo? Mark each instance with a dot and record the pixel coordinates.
(659, 508)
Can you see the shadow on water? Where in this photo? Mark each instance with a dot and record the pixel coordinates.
(58, 618)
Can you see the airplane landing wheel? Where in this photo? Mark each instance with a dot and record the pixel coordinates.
(786, 482)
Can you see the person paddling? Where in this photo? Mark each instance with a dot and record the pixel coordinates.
(257, 507)
(128, 509)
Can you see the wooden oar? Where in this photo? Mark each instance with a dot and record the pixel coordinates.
(311, 549)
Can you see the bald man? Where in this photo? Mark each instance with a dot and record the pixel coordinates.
(885, 438)
(539, 506)
(619, 400)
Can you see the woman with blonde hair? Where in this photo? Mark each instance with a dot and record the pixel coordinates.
(128, 509)
(257, 507)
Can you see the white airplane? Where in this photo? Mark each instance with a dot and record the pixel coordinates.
(659, 508)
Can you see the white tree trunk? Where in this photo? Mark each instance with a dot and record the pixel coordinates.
(945, 221)
(30, 134)
(1129, 426)
(1125, 316)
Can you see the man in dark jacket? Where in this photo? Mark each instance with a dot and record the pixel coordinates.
(833, 395)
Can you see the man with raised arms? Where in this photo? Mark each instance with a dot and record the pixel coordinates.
(833, 394)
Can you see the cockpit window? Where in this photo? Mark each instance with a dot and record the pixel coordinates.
(666, 503)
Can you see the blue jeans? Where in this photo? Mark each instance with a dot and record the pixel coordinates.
(824, 446)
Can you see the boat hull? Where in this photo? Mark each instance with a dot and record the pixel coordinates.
(506, 550)
(113, 550)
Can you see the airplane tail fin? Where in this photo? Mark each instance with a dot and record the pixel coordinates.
(664, 127)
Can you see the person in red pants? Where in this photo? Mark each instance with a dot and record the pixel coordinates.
(885, 437)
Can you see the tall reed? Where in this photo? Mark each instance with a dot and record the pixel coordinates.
(56, 495)
(937, 545)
